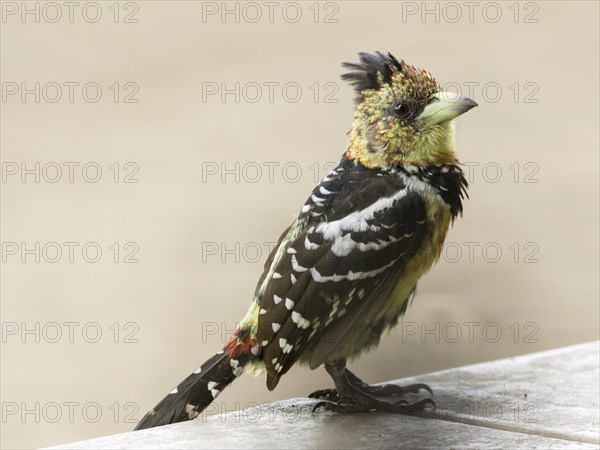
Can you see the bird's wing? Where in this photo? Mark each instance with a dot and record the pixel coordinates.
(359, 228)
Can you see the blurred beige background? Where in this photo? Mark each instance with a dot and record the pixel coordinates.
(533, 70)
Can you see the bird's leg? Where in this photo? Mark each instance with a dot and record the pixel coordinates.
(329, 393)
(351, 399)
(384, 390)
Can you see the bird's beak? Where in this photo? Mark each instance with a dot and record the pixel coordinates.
(446, 106)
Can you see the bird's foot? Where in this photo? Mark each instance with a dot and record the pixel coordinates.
(357, 401)
(354, 395)
(383, 390)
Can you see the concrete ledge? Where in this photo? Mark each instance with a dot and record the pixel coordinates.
(542, 400)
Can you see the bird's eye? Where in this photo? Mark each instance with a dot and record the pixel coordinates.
(401, 110)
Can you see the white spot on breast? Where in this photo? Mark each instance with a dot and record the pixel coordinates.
(310, 245)
(425, 189)
(357, 221)
(344, 245)
(297, 267)
(299, 320)
(317, 200)
(289, 304)
(350, 275)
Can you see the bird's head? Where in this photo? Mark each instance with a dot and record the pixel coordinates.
(402, 116)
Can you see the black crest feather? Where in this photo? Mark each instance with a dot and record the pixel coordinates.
(364, 75)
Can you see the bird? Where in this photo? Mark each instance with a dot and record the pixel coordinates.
(346, 269)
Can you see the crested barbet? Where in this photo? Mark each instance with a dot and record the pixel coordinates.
(345, 270)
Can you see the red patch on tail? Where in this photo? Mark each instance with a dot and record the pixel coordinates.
(239, 344)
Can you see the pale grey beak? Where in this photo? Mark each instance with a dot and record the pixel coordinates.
(446, 106)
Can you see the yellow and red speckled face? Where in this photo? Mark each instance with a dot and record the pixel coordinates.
(403, 98)
(405, 120)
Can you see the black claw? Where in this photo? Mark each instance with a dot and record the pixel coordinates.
(414, 388)
(427, 388)
(320, 405)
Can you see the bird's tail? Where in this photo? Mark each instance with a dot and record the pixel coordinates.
(200, 388)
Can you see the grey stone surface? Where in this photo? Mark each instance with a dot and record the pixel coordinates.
(553, 393)
(542, 400)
